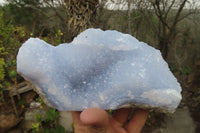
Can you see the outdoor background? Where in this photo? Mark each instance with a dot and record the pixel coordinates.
(172, 26)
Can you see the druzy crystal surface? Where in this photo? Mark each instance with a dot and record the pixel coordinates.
(104, 69)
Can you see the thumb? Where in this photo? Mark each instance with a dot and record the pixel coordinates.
(95, 117)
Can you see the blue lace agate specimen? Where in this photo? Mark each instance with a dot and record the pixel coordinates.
(104, 69)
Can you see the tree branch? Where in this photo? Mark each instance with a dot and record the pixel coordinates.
(178, 13)
(169, 9)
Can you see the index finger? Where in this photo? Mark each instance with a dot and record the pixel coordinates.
(76, 117)
(137, 122)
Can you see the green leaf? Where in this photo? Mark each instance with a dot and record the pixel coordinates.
(35, 127)
(110, 112)
(7, 84)
(60, 129)
(12, 74)
(51, 114)
(39, 99)
(38, 118)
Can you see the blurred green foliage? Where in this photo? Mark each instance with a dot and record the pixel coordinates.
(173, 68)
(38, 118)
(9, 45)
(187, 70)
(12, 74)
(39, 99)
(58, 129)
(21, 102)
(35, 127)
(52, 115)
(2, 71)
(48, 124)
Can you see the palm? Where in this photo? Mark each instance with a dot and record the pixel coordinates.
(95, 120)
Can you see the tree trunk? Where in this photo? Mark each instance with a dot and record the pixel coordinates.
(164, 48)
(82, 15)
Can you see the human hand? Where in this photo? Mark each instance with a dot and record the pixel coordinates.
(95, 120)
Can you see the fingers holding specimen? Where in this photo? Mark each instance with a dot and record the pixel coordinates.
(137, 122)
(121, 115)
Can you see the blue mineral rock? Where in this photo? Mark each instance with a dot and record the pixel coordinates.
(104, 69)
